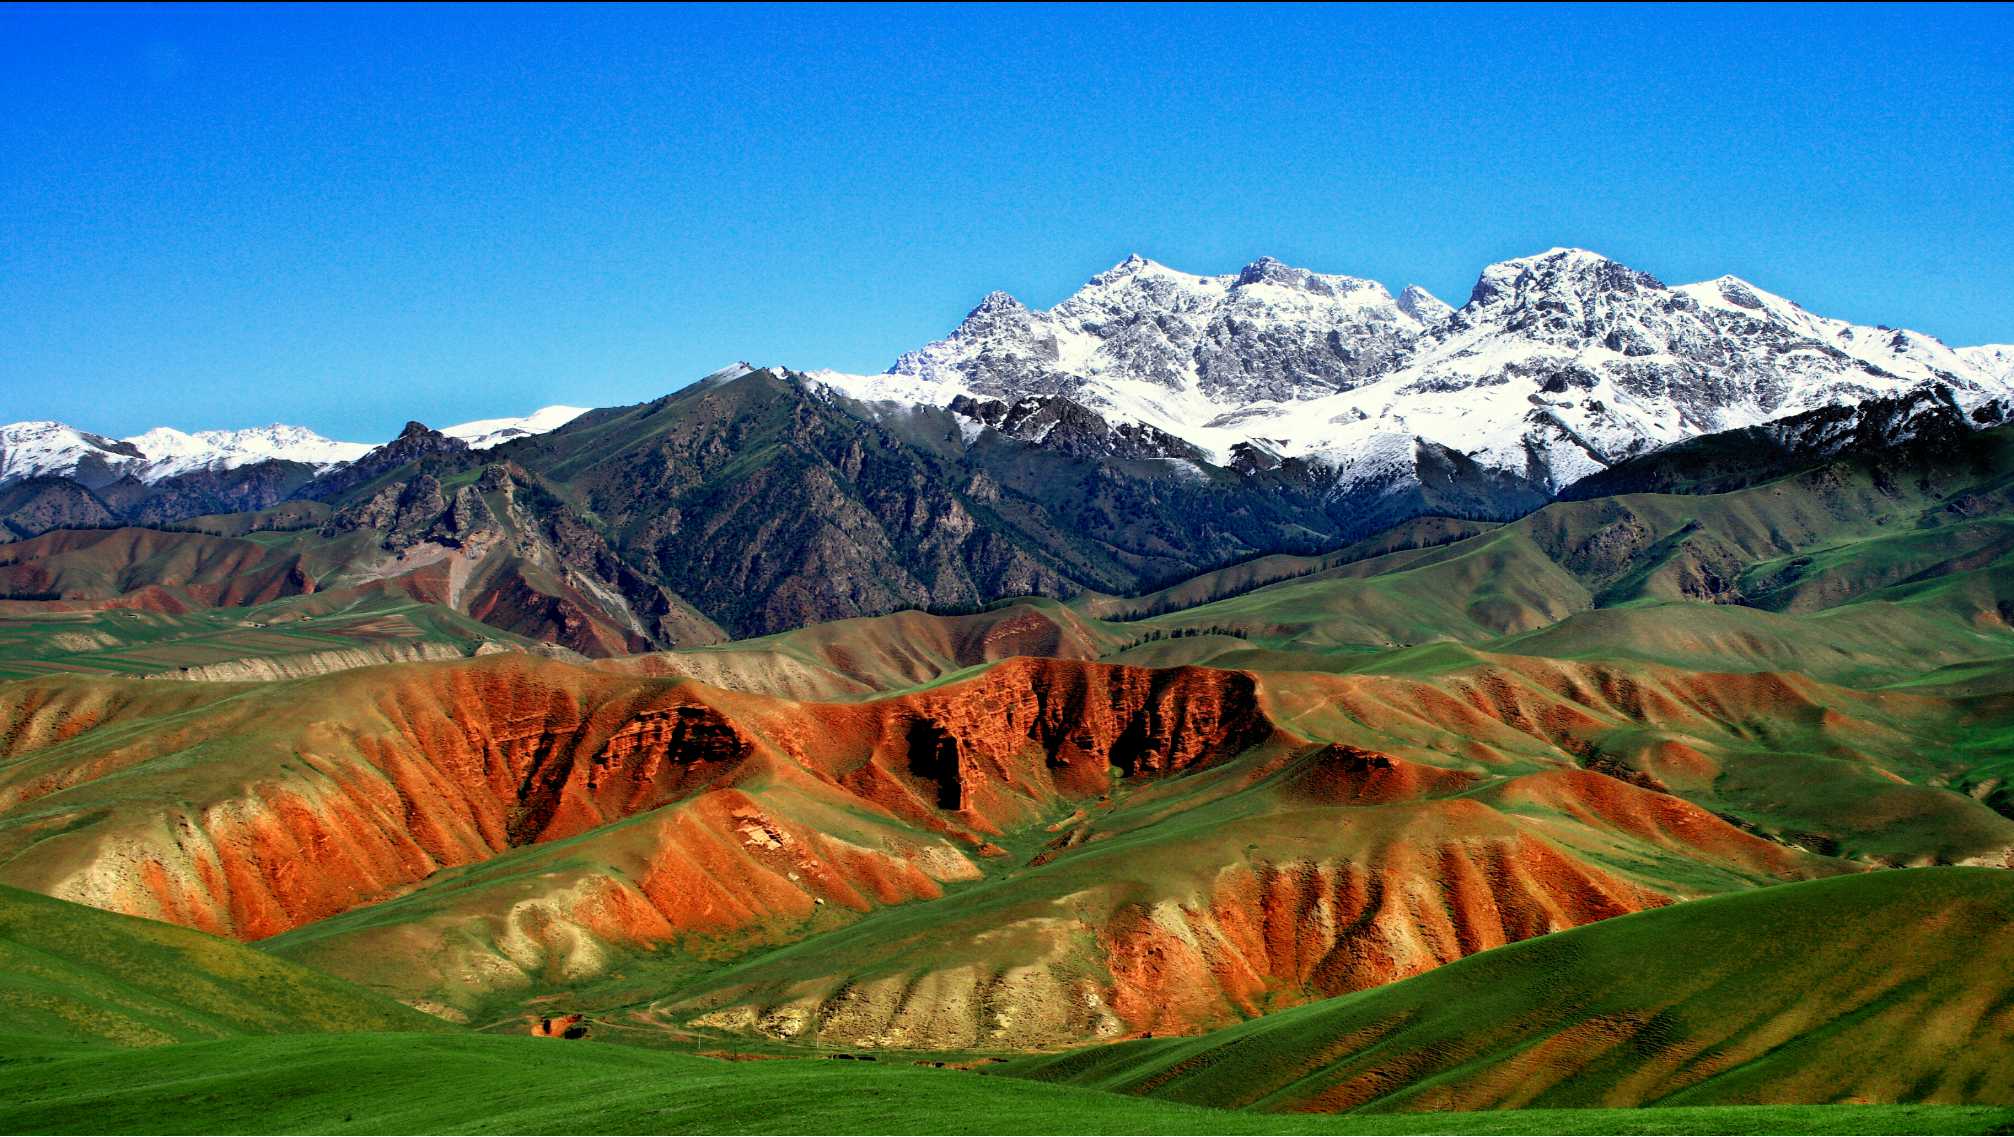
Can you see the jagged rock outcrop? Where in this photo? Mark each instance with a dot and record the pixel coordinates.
(1068, 428)
(414, 444)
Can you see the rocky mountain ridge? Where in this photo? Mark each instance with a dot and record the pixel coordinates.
(1557, 366)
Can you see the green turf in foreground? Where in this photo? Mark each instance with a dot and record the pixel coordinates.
(402, 1083)
(74, 975)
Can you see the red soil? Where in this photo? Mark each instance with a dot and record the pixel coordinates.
(177, 569)
(1340, 774)
(1272, 934)
(361, 787)
(251, 811)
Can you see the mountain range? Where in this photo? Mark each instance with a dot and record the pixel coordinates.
(1558, 365)
(54, 449)
(1152, 426)
(1252, 694)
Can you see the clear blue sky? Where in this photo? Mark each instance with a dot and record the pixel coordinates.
(347, 218)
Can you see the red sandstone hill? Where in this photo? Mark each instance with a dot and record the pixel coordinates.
(1098, 850)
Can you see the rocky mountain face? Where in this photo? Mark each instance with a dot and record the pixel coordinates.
(769, 499)
(1072, 428)
(196, 493)
(1154, 425)
(769, 508)
(415, 443)
(505, 548)
(1557, 366)
(1921, 427)
(37, 505)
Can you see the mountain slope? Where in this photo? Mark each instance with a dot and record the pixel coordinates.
(74, 974)
(39, 504)
(1884, 987)
(1445, 739)
(770, 504)
(1848, 524)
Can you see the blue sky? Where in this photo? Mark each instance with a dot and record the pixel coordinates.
(347, 218)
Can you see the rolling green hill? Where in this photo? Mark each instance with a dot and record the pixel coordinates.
(116, 1025)
(71, 974)
(1884, 987)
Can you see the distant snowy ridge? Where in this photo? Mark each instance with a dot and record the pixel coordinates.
(1557, 365)
(54, 449)
(487, 432)
(169, 452)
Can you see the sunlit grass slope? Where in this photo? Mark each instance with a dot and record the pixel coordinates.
(78, 975)
(1890, 986)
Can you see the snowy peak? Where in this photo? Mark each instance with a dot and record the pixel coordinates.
(998, 316)
(1150, 343)
(1267, 270)
(54, 449)
(1133, 267)
(1558, 288)
(168, 452)
(1424, 306)
(57, 450)
(1559, 363)
(485, 433)
(1735, 293)
(997, 304)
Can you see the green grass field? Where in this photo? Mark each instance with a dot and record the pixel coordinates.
(391, 1083)
(128, 1026)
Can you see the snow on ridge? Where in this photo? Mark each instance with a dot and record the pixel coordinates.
(482, 434)
(1558, 364)
(46, 448)
(1995, 359)
(168, 452)
(42, 447)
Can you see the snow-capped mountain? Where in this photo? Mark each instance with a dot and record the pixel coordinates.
(1995, 359)
(1178, 342)
(54, 449)
(485, 433)
(1558, 364)
(169, 452)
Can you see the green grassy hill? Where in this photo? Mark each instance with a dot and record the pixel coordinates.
(71, 974)
(1819, 539)
(1881, 987)
(287, 638)
(117, 1025)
